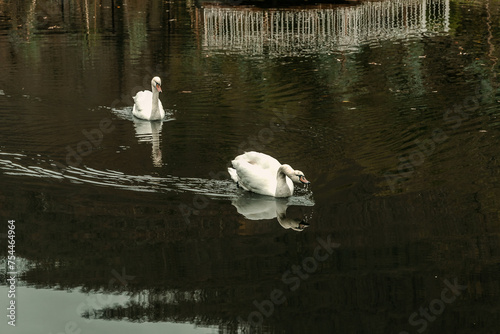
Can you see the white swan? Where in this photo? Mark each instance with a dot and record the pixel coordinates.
(147, 103)
(262, 174)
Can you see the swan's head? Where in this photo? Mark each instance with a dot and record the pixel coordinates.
(300, 177)
(156, 84)
(295, 175)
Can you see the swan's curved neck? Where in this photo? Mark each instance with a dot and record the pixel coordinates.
(282, 188)
(155, 110)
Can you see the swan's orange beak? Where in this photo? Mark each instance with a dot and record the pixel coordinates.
(304, 180)
(158, 88)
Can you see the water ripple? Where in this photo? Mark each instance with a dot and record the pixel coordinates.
(211, 188)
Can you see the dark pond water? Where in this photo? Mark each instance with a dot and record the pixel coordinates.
(390, 108)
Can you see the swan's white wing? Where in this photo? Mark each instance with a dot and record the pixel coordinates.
(143, 103)
(144, 99)
(266, 162)
(253, 177)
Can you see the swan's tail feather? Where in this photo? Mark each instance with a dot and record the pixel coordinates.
(233, 174)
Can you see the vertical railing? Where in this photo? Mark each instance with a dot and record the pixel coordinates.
(250, 30)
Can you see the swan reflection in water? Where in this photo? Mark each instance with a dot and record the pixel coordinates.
(147, 131)
(150, 131)
(258, 207)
